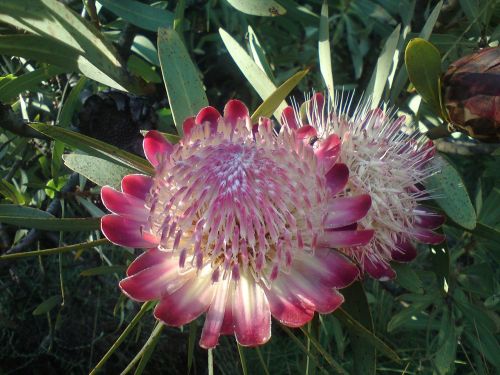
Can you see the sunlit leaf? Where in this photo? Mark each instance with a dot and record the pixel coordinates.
(325, 55)
(378, 81)
(106, 174)
(423, 63)
(186, 94)
(268, 8)
(71, 36)
(257, 78)
(273, 101)
(258, 53)
(11, 193)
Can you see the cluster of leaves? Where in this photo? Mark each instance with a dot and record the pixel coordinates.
(440, 315)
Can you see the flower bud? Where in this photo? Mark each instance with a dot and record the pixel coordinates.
(471, 92)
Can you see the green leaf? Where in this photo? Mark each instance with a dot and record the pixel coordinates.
(440, 258)
(94, 147)
(408, 314)
(243, 361)
(14, 210)
(53, 224)
(425, 33)
(11, 193)
(56, 160)
(490, 214)
(385, 61)
(451, 194)
(53, 23)
(357, 318)
(267, 8)
(423, 63)
(257, 78)
(71, 103)
(146, 49)
(97, 170)
(27, 82)
(142, 69)
(324, 353)
(272, 102)
(102, 270)
(325, 55)
(408, 278)
(41, 49)
(47, 305)
(57, 250)
(355, 315)
(186, 94)
(447, 342)
(139, 14)
(258, 53)
(146, 350)
(144, 308)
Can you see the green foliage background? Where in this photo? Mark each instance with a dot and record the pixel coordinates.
(60, 313)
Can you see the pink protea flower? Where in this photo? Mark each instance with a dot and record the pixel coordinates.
(239, 224)
(388, 162)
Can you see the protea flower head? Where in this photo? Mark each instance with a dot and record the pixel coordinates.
(239, 224)
(384, 161)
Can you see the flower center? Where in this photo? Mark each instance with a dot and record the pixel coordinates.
(237, 203)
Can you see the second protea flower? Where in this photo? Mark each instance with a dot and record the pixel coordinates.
(240, 223)
(385, 161)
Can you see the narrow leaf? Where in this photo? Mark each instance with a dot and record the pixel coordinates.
(16, 211)
(53, 224)
(186, 94)
(47, 305)
(93, 146)
(26, 82)
(102, 270)
(267, 8)
(360, 320)
(382, 70)
(451, 193)
(145, 307)
(107, 173)
(139, 14)
(257, 78)
(258, 53)
(53, 21)
(440, 258)
(325, 55)
(11, 193)
(273, 101)
(57, 250)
